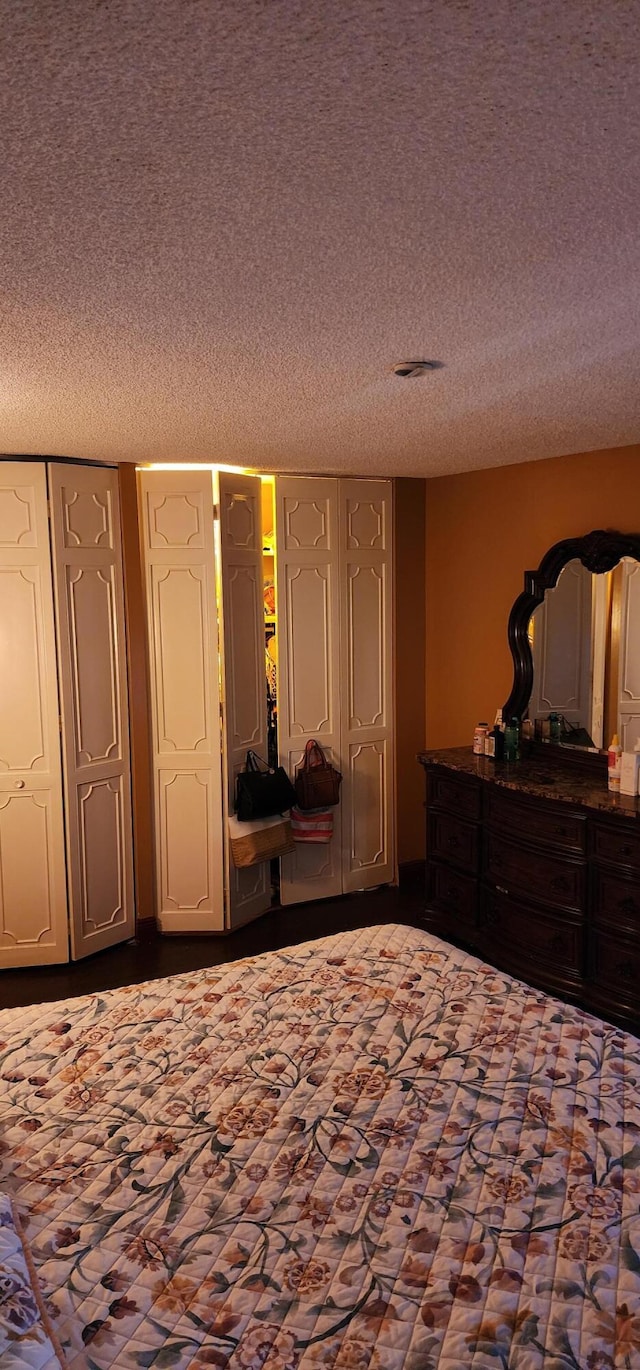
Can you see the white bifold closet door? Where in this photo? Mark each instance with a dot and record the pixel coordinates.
(202, 545)
(208, 689)
(33, 892)
(366, 686)
(177, 529)
(308, 619)
(89, 601)
(334, 608)
(244, 686)
(66, 857)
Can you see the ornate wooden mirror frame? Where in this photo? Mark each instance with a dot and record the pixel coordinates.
(599, 551)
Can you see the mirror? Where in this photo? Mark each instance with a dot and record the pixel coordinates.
(585, 668)
(574, 635)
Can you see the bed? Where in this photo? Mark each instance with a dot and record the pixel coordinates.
(367, 1152)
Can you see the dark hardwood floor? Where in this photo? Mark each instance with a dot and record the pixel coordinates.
(151, 956)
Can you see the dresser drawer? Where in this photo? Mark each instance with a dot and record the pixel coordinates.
(454, 840)
(461, 797)
(554, 879)
(614, 964)
(529, 939)
(453, 893)
(534, 823)
(617, 844)
(616, 900)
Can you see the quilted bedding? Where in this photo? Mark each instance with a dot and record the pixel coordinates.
(369, 1152)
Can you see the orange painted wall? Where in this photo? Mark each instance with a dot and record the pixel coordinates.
(484, 529)
(410, 664)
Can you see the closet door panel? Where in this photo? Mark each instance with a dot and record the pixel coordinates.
(177, 529)
(33, 894)
(307, 546)
(367, 841)
(188, 820)
(367, 682)
(180, 616)
(89, 597)
(244, 675)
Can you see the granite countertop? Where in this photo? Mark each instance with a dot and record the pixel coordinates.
(564, 783)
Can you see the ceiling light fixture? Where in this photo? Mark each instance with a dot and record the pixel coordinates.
(410, 369)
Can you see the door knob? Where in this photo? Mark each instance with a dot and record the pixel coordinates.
(19, 784)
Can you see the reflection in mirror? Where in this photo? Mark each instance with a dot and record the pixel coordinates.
(585, 642)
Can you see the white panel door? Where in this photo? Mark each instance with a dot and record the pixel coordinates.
(244, 677)
(178, 547)
(366, 659)
(33, 893)
(89, 598)
(307, 576)
(629, 670)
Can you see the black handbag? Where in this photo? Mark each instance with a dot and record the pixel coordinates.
(262, 792)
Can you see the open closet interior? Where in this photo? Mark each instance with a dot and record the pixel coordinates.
(269, 613)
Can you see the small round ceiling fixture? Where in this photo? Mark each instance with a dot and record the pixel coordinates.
(411, 369)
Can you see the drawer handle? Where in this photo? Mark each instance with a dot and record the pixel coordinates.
(626, 851)
(625, 971)
(452, 894)
(627, 905)
(453, 841)
(560, 830)
(561, 884)
(557, 943)
(502, 889)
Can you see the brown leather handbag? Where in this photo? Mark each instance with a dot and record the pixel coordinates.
(317, 782)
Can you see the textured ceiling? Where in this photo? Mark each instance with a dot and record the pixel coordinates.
(221, 223)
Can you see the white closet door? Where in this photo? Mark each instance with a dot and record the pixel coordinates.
(244, 676)
(629, 659)
(89, 596)
(307, 563)
(178, 543)
(366, 562)
(33, 894)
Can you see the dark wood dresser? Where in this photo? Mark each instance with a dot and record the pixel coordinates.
(537, 869)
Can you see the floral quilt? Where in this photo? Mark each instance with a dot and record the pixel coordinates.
(371, 1152)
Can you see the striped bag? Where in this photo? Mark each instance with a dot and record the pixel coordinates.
(311, 825)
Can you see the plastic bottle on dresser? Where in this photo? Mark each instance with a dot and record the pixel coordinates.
(494, 741)
(479, 734)
(614, 755)
(512, 741)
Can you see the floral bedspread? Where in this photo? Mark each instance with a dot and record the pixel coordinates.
(25, 1343)
(369, 1152)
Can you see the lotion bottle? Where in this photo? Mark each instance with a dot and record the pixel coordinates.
(613, 764)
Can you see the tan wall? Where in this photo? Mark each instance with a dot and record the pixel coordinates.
(410, 664)
(483, 531)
